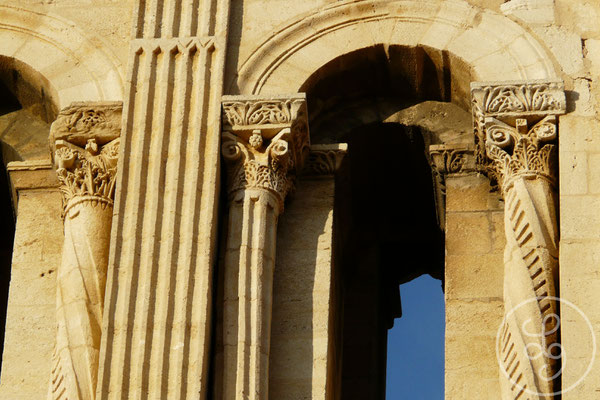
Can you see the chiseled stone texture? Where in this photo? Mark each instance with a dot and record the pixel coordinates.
(30, 323)
(474, 274)
(69, 50)
(302, 342)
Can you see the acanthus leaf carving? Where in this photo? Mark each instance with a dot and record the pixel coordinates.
(497, 106)
(267, 170)
(264, 142)
(85, 148)
(88, 172)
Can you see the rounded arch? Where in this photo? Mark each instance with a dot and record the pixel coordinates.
(492, 46)
(76, 66)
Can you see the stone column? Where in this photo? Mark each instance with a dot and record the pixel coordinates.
(264, 143)
(85, 143)
(516, 132)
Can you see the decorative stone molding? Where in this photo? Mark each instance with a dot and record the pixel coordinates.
(359, 24)
(265, 142)
(85, 144)
(515, 131)
(324, 159)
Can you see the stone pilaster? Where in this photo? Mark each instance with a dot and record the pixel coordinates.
(85, 143)
(516, 133)
(159, 290)
(265, 142)
(446, 160)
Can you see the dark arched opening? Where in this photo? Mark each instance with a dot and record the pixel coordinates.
(389, 104)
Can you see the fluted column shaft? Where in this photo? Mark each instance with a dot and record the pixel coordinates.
(261, 165)
(249, 263)
(85, 142)
(516, 132)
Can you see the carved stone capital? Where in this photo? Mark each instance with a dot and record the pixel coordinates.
(324, 159)
(84, 141)
(264, 142)
(449, 159)
(515, 128)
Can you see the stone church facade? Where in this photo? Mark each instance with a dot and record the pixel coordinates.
(213, 199)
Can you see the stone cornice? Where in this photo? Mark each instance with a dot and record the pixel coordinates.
(515, 128)
(85, 149)
(265, 142)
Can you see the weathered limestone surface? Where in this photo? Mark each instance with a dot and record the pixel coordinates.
(30, 325)
(304, 304)
(515, 125)
(473, 288)
(163, 245)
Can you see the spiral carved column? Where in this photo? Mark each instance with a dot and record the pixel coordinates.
(264, 145)
(516, 134)
(85, 143)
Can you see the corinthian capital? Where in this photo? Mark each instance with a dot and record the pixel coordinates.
(265, 142)
(515, 128)
(85, 147)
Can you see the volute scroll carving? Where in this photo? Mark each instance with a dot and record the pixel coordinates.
(503, 110)
(86, 173)
(264, 142)
(515, 126)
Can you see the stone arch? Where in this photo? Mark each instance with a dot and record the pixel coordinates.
(78, 67)
(494, 47)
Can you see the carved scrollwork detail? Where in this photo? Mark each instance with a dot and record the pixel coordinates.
(521, 151)
(269, 169)
(499, 107)
(521, 98)
(86, 173)
(450, 160)
(265, 142)
(445, 160)
(84, 141)
(82, 121)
